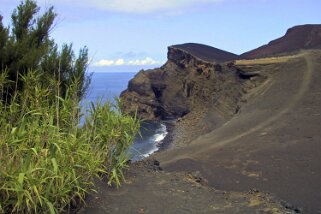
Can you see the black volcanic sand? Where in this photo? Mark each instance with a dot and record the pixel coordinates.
(266, 159)
(150, 190)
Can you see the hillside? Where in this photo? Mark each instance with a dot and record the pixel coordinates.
(297, 38)
(205, 52)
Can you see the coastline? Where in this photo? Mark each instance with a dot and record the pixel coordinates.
(183, 130)
(167, 142)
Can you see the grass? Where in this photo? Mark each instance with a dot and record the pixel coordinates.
(47, 161)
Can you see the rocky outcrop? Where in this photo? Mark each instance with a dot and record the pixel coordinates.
(198, 76)
(185, 83)
(296, 38)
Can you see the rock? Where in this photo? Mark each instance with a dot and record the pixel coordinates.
(156, 163)
(298, 210)
(190, 79)
(253, 191)
(291, 207)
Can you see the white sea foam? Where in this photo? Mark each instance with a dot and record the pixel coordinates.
(160, 134)
(155, 149)
(151, 143)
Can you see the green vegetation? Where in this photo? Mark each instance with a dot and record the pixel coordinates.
(47, 161)
(28, 46)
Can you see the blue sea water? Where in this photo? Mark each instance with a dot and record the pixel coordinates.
(105, 86)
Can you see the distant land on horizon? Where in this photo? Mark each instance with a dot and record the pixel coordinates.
(120, 69)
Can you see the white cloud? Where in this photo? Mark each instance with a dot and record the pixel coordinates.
(104, 62)
(136, 6)
(119, 62)
(146, 61)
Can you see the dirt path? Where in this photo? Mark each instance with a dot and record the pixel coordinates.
(149, 190)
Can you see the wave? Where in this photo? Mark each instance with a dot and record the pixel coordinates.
(160, 134)
(149, 153)
(148, 145)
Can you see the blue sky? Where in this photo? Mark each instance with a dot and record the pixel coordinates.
(126, 35)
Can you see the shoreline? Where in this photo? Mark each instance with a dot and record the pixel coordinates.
(159, 145)
(168, 140)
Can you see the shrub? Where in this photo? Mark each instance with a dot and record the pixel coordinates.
(47, 161)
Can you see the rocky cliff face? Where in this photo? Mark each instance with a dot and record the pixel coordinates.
(186, 83)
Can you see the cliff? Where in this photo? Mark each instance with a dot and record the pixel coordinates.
(194, 77)
(296, 38)
(204, 52)
(199, 76)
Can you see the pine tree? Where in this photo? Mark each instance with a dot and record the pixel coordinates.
(27, 46)
(3, 42)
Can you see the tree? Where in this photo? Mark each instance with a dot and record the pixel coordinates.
(3, 39)
(28, 46)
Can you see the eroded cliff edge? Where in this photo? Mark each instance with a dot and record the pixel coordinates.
(194, 77)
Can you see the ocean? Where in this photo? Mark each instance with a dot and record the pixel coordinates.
(105, 86)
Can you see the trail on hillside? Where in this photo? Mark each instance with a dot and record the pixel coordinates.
(306, 79)
(208, 142)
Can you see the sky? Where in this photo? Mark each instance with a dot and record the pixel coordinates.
(129, 35)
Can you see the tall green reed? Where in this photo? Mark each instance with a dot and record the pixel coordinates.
(47, 161)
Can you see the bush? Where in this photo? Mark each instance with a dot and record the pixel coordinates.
(47, 161)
